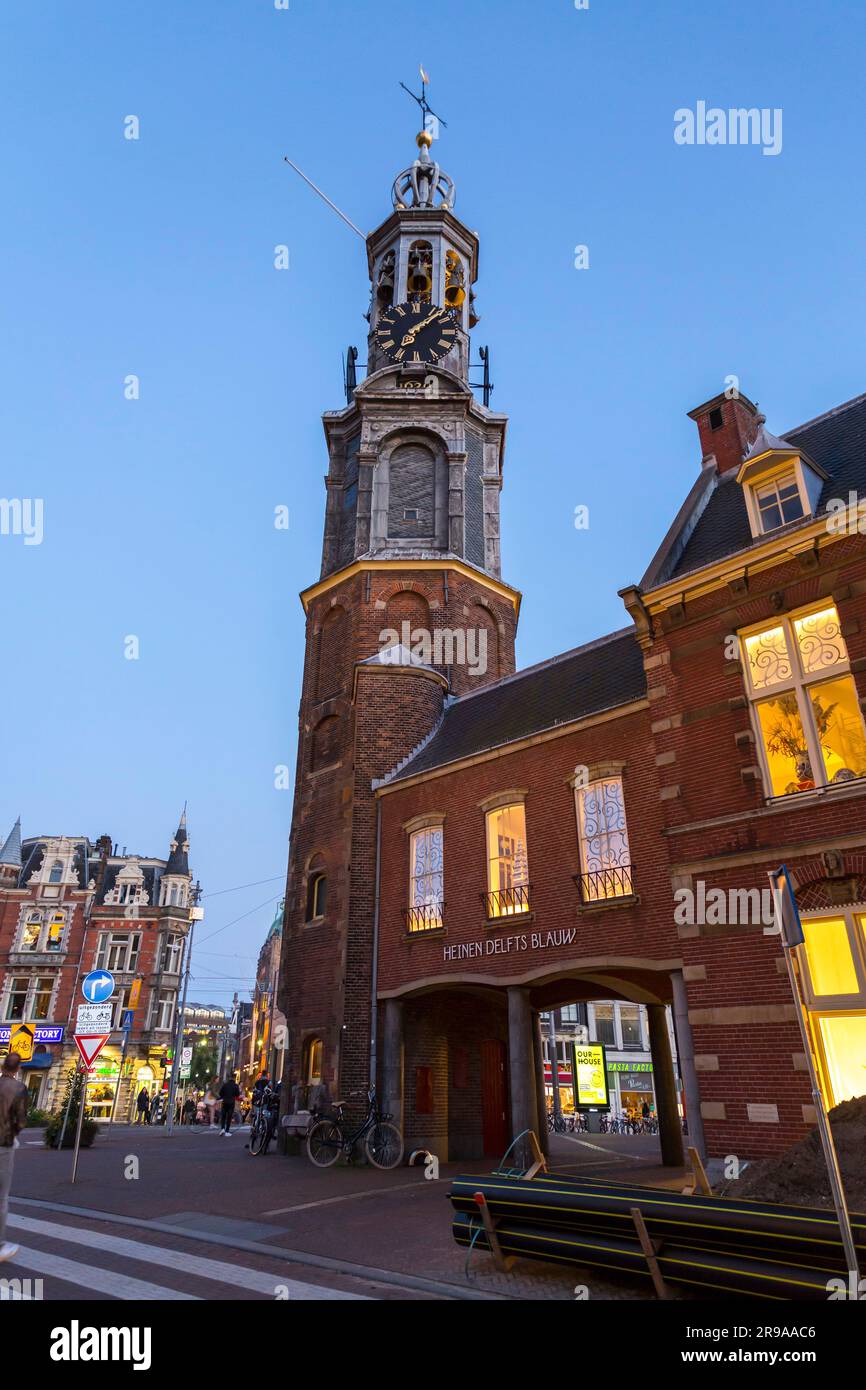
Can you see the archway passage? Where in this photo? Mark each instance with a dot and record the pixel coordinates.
(463, 1063)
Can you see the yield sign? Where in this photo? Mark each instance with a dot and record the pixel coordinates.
(90, 1045)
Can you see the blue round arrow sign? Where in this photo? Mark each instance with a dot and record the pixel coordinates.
(97, 986)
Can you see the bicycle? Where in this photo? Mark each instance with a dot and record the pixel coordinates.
(382, 1141)
(264, 1122)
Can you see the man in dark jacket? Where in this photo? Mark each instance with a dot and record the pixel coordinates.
(229, 1092)
(13, 1118)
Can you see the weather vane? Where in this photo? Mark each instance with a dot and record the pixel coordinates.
(426, 108)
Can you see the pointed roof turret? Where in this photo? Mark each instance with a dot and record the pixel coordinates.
(11, 851)
(178, 862)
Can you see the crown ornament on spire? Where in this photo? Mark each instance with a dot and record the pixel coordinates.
(424, 181)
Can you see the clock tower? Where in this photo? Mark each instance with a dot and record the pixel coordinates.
(409, 609)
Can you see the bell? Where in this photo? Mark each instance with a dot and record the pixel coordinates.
(454, 293)
(420, 282)
(386, 280)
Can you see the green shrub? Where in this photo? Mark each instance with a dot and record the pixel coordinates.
(89, 1128)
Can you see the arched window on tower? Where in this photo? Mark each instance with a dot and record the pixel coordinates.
(326, 747)
(332, 666)
(317, 890)
(455, 280)
(385, 281)
(419, 284)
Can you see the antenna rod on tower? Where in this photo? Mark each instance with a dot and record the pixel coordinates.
(325, 198)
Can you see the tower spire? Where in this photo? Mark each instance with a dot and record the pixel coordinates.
(11, 851)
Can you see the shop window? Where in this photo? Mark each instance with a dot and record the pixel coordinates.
(426, 879)
(810, 727)
(605, 858)
(507, 861)
(843, 1045)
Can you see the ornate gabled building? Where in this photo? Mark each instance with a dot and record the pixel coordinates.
(473, 846)
(69, 905)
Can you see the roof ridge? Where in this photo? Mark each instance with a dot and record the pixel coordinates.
(828, 414)
(540, 666)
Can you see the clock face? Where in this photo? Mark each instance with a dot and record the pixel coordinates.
(416, 333)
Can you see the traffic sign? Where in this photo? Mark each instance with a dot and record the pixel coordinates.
(97, 986)
(186, 1056)
(134, 992)
(90, 1045)
(94, 1018)
(22, 1041)
(126, 1020)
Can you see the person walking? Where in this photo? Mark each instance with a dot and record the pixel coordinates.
(229, 1092)
(13, 1118)
(143, 1107)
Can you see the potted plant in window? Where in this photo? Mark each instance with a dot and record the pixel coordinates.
(786, 737)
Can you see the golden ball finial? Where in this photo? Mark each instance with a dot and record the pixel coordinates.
(424, 140)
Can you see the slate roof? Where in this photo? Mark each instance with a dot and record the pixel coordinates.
(600, 676)
(836, 441)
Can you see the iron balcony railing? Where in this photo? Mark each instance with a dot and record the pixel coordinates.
(507, 902)
(425, 917)
(601, 884)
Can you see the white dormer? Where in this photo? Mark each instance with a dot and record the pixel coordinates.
(128, 887)
(780, 483)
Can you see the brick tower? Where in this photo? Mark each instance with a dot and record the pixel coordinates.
(409, 607)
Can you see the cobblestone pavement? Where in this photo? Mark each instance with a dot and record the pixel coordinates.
(193, 1215)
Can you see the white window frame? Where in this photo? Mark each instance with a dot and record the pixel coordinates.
(838, 1003)
(111, 941)
(798, 684)
(775, 481)
(32, 977)
(792, 464)
(171, 941)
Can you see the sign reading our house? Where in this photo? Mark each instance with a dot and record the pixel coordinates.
(505, 945)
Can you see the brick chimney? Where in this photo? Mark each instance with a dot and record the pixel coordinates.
(727, 428)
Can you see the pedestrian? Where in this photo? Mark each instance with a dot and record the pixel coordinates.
(645, 1110)
(210, 1100)
(13, 1118)
(143, 1107)
(229, 1092)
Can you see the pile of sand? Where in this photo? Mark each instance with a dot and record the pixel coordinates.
(799, 1176)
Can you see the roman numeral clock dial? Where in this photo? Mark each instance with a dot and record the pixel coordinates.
(414, 334)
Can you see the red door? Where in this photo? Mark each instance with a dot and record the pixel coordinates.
(493, 1097)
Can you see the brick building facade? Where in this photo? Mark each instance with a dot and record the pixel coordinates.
(473, 847)
(69, 905)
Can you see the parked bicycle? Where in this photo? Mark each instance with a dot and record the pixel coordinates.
(263, 1122)
(379, 1139)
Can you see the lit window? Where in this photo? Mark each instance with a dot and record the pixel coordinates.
(54, 938)
(834, 979)
(315, 1055)
(31, 932)
(605, 860)
(426, 879)
(779, 502)
(811, 730)
(41, 999)
(507, 861)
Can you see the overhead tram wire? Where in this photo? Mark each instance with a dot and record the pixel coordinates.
(234, 920)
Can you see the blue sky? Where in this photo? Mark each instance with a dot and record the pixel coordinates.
(155, 257)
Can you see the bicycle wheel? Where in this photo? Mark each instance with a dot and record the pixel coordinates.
(257, 1136)
(324, 1143)
(383, 1145)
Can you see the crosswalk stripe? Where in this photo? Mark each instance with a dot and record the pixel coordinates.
(236, 1275)
(92, 1279)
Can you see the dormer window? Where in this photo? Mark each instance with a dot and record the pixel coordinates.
(780, 484)
(779, 501)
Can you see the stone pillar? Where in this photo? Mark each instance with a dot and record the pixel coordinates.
(541, 1103)
(524, 1109)
(670, 1129)
(688, 1071)
(392, 1060)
